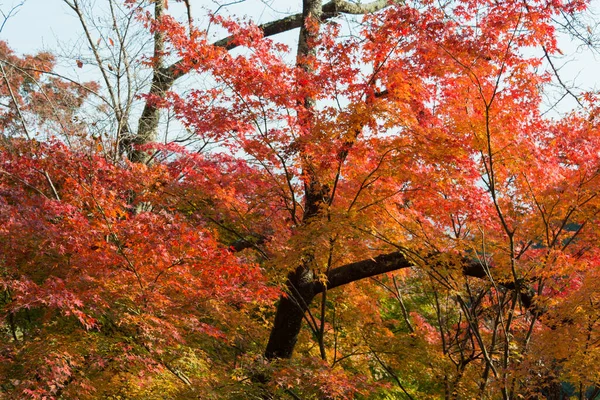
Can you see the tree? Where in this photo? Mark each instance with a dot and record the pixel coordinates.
(399, 186)
(36, 103)
(114, 45)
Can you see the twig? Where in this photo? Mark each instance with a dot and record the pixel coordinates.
(391, 373)
(51, 185)
(13, 11)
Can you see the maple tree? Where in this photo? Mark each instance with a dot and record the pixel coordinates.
(36, 102)
(387, 214)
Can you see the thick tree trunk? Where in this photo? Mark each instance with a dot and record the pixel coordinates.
(290, 312)
(300, 290)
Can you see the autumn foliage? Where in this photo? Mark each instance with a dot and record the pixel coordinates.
(38, 102)
(393, 206)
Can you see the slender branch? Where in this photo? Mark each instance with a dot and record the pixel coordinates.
(74, 5)
(25, 70)
(391, 373)
(188, 8)
(54, 191)
(13, 11)
(24, 182)
(15, 102)
(558, 79)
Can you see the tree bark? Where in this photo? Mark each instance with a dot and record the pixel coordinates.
(290, 312)
(300, 289)
(148, 124)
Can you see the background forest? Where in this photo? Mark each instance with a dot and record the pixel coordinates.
(384, 200)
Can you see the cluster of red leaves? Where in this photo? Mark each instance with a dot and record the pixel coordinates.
(83, 250)
(315, 377)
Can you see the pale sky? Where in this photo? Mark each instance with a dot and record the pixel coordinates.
(40, 24)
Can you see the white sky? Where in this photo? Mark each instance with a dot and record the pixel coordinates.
(40, 24)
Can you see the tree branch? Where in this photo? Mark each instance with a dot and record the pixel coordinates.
(397, 260)
(364, 269)
(302, 288)
(337, 7)
(331, 10)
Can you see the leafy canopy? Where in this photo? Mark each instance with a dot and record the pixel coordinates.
(393, 206)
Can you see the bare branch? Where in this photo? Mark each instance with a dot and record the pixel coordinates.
(54, 191)
(345, 7)
(188, 8)
(557, 76)
(74, 5)
(25, 70)
(13, 11)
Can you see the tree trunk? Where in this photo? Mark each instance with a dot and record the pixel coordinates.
(290, 312)
(148, 124)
